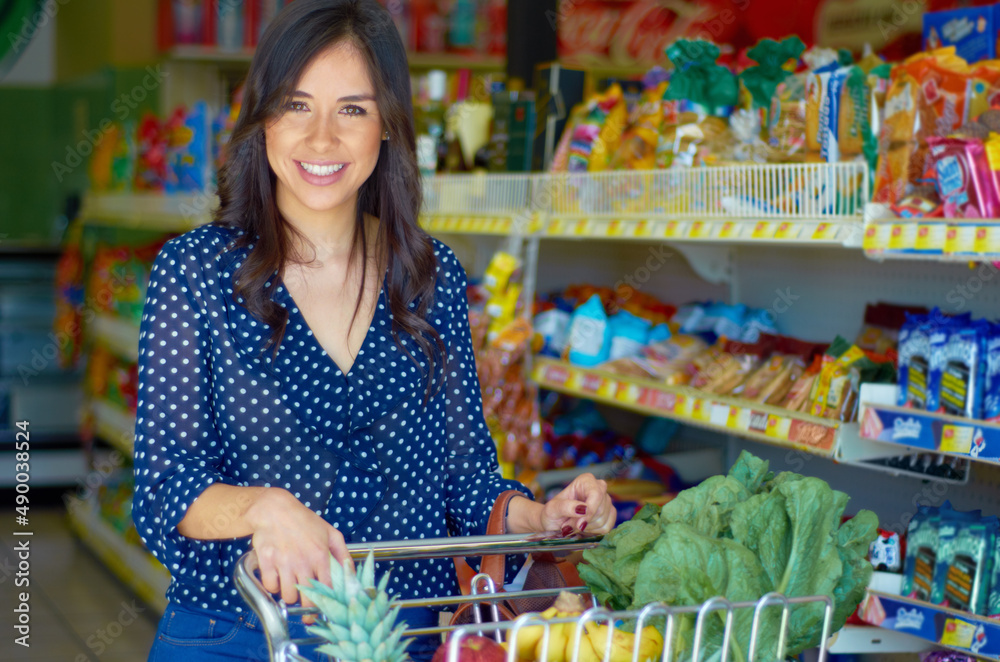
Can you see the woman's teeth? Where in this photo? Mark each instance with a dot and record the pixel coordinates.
(321, 171)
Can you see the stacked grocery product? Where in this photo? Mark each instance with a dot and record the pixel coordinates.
(223, 24)
(950, 365)
(953, 559)
(785, 105)
(178, 154)
(721, 349)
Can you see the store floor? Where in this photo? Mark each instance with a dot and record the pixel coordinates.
(79, 611)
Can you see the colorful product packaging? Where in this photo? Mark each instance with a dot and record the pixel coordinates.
(963, 369)
(963, 177)
(967, 556)
(914, 362)
(991, 381)
(589, 334)
(921, 554)
(189, 152)
(973, 31)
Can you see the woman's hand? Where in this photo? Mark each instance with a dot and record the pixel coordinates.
(293, 544)
(584, 506)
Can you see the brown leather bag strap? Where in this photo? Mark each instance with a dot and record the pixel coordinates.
(495, 565)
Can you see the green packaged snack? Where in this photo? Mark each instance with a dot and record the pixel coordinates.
(921, 554)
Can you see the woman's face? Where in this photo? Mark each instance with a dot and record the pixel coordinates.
(325, 145)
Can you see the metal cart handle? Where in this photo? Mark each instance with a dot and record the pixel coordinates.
(274, 614)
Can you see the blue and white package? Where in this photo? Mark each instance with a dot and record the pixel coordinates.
(589, 334)
(629, 334)
(964, 369)
(991, 380)
(914, 361)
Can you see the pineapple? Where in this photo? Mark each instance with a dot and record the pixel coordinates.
(358, 616)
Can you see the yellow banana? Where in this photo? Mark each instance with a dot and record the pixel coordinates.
(529, 636)
(623, 643)
(557, 644)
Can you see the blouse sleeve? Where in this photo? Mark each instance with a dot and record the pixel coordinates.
(177, 447)
(473, 478)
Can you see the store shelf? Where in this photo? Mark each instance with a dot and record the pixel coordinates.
(941, 433)
(940, 626)
(796, 204)
(764, 423)
(867, 639)
(692, 466)
(148, 211)
(941, 239)
(215, 55)
(114, 425)
(776, 426)
(480, 225)
(751, 231)
(119, 335)
(135, 566)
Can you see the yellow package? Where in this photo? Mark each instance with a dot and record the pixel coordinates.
(638, 146)
(610, 135)
(498, 273)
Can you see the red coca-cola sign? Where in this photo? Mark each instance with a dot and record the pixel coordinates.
(636, 32)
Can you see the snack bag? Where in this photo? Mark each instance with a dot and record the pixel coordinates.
(969, 560)
(731, 366)
(991, 380)
(151, 155)
(798, 394)
(832, 376)
(921, 554)
(189, 151)
(854, 129)
(560, 157)
(638, 145)
(882, 323)
(629, 335)
(914, 361)
(786, 127)
(609, 137)
(962, 177)
(963, 367)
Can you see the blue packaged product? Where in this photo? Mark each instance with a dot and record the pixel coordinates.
(973, 31)
(991, 380)
(939, 333)
(921, 554)
(629, 334)
(553, 327)
(659, 333)
(589, 334)
(758, 321)
(964, 369)
(914, 361)
(189, 154)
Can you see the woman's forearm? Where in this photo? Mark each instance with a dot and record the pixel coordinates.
(524, 516)
(227, 511)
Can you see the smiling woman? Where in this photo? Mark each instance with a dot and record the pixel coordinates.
(306, 373)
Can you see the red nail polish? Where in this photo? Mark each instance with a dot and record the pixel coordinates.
(581, 509)
(583, 527)
(566, 530)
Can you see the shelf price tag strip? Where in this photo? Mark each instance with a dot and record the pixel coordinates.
(933, 432)
(744, 420)
(974, 634)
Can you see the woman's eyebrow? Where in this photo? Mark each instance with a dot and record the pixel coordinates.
(350, 98)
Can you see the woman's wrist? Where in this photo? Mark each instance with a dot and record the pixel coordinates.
(524, 515)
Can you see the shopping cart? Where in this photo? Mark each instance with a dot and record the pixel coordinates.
(273, 614)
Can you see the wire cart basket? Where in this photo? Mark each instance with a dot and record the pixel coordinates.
(273, 614)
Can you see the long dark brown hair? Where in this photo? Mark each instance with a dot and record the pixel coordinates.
(392, 193)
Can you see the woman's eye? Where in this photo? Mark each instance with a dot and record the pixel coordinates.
(355, 110)
(297, 106)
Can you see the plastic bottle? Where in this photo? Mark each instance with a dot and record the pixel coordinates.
(589, 334)
(430, 123)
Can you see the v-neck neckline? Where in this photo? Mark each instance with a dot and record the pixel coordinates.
(379, 304)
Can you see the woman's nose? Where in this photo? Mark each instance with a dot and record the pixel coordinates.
(322, 134)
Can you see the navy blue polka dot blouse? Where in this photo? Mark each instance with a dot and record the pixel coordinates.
(360, 449)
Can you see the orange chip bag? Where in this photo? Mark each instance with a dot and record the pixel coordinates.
(900, 119)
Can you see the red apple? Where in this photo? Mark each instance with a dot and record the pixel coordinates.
(473, 648)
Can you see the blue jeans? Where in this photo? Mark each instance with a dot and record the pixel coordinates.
(187, 634)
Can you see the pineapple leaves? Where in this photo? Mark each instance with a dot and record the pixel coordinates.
(359, 617)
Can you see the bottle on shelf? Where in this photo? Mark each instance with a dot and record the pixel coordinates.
(431, 123)
(462, 26)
